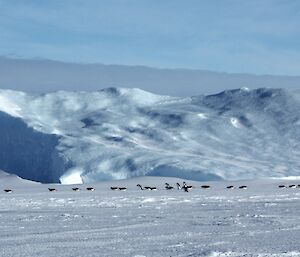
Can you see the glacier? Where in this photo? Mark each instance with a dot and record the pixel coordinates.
(119, 133)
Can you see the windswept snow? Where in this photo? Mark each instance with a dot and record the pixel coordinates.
(8, 106)
(120, 133)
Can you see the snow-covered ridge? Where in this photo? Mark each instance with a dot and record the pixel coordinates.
(118, 133)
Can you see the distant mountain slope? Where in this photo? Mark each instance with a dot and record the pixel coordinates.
(120, 133)
(42, 76)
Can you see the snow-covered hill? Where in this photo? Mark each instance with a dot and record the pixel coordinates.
(118, 133)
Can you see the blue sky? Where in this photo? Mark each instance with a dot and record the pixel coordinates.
(257, 36)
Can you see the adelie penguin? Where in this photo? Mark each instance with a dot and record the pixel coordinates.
(153, 188)
(138, 185)
(150, 188)
(186, 188)
(205, 186)
(168, 187)
(146, 187)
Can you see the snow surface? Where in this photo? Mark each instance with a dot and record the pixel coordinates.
(262, 221)
(118, 133)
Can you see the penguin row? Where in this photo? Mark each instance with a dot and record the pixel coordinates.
(183, 187)
(289, 186)
(52, 189)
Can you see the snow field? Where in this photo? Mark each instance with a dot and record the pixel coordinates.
(260, 221)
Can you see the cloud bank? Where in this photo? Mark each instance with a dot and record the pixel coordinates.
(41, 76)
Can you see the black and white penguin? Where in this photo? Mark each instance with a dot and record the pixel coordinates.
(205, 186)
(178, 186)
(138, 185)
(168, 187)
(186, 188)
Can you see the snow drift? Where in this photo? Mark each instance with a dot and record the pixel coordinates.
(118, 133)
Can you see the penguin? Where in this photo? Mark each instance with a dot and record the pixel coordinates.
(186, 188)
(168, 187)
(205, 186)
(178, 186)
(138, 185)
